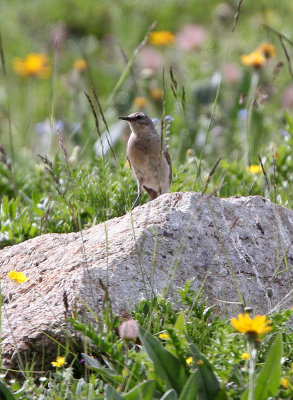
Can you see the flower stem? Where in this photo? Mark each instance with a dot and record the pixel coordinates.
(249, 106)
(252, 361)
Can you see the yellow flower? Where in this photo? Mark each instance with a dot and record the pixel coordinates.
(254, 169)
(161, 38)
(268, 50)
(255, 59)
(164, 336)
(60, 361)
(285, 383)
(140, 102)
(80, 64)
(35, 64)
(258, 325)
(18, 277)
(156, 94)
(189, 360)
(200, 362)
(245, 356)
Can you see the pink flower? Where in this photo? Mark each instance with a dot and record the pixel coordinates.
(150, 58)
(231, 72)
(190, 37)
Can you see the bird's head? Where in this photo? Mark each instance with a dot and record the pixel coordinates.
(138, 120)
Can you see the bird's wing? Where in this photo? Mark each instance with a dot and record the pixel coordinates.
(167, 156)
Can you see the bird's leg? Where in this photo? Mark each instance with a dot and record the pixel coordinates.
(136, 200)
(139, 188)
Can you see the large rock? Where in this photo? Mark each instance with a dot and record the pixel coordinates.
(239, 249)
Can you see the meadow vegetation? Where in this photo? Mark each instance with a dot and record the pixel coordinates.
(218, 77)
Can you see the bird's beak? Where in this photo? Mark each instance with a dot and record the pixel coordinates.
(125, 118)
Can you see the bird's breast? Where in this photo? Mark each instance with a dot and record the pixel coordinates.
(140, 150)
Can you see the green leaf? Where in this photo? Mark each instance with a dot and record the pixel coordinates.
(111, 394)
(37, 211)
(5, 206)
(178, 343)
(221, 395)
(208, 385)
(143, 391)
(12, 209)
(170, 395)
(180, 323)
(268, 380)
(190, 388)
(35, 197)
(94, 364)
(166, 365)
(5, 393)
(289, 119)
(180, 327)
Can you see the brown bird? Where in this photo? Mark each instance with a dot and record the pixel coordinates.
(149, 160)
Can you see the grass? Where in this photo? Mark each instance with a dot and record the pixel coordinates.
(232, 134)
(107, 361)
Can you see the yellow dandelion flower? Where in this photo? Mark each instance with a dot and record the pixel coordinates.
(80, 64)
(200, 362)
(257, 325)
(285, 383)
(189, 360)
(60, 361)
(164, 336)
(245, 356)
(34, 65)
(255, 59)
(268, 50)
(18, 277)
(161, 38)
(156, 94)
(254, 169)
(140, 102)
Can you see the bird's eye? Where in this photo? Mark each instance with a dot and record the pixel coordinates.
(138, 116)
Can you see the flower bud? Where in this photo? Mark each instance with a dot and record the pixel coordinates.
(128, 330)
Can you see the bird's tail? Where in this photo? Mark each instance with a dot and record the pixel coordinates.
(152, 193)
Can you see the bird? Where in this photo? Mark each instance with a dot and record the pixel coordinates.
(148, 157)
